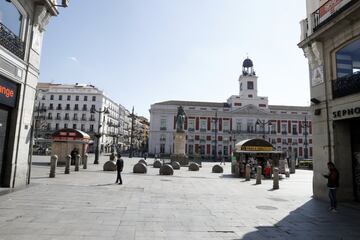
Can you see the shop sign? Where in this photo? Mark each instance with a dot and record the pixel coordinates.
(348, 112)
(330, 7)
(7, 93)
(256, 148)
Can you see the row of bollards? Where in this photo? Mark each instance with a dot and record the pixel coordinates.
(259, 175)
(54, 159)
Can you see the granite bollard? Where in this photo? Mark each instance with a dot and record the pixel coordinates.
(258, 174)
(166, 169)
(67, 164)
(217, 169)
(276, 178)
(175, 165)
(77, 162)
(194, 166)
(247, 172)
(157, 164)
(53, 163)
(140, 168)
(143, 161)
(85, 161)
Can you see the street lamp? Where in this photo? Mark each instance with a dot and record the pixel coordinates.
(133, 117)
(262, 124)
(305, 125)
(215, 120)
(98, 135)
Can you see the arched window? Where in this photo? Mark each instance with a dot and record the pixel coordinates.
(10, 17)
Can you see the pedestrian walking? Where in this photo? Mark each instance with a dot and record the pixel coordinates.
(333, 183)
(119, 168)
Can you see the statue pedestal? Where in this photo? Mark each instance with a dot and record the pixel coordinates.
(179, 149)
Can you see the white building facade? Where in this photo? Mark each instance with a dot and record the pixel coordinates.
(70, 106)
(22, 26)
(330, 38)
(214, 128)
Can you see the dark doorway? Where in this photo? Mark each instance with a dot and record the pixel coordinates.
(4, 119)
(355, 148)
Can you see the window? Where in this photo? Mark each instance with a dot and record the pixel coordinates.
(238, 126)
(56, 126)
(191, 125)
(91, 127)
(83, 117)
(66, 116)
(10, 17)
(92, 117)
(202, 149)
(93, 106)
(85, 98)
(84, 107)
(203, 125)
(163, 124)
(50, 115)
(68, 97)
(93, 98)
(250, 96)
(284, 128)
(51, 97)
(65, 125)
(250, 85)
(250, 126)
(76, 98)
(75, 117)
(43, 97)
(67, 107)
(162, 148)
(191, 149)
(58, 116)
(82, 127)
(74, 126)
(294, 129)
(162, 138)
(51, 106)
(76, 107)
(226, 126)
(348, 60)
(59, 107)
(60, 97)
(272, 128)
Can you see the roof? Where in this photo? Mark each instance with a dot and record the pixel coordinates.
(194, 103)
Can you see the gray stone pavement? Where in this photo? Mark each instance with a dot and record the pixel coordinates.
(187, 205)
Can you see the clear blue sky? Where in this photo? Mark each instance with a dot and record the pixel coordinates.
(145, 51)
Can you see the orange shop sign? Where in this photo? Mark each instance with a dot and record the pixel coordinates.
(8, 92)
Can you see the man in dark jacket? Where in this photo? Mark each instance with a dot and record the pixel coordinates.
(119, 168)
(333, 183)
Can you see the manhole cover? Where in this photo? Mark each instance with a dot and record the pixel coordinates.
(266, 207)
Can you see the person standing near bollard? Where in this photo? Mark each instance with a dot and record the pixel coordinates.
(333, 183)
(119, 168)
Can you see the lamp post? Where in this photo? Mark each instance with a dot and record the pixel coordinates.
(215, 120)
(305, 125)
(98, 135)
(262, 124)
(132, 116)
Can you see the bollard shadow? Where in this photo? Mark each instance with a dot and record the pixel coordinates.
(228, 176)
(312, 221)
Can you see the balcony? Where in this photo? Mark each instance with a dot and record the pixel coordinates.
(162, 128)
(59, 108)
(66, 118)
(329, 11)
(83, 119)
(11, 42)
(84, 108)
(202, 129)
(75, 118)
(49, 118)
(92, 119)
(58, 118)
(346, 85)
(284, 133)
(191, 129)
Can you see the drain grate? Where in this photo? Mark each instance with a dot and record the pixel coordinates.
(266, 207)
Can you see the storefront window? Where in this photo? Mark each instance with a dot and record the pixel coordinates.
(10, 17)
(348, 59)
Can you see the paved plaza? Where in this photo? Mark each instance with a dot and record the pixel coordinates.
(188, 205)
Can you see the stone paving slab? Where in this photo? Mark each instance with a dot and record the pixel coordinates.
(188, 205)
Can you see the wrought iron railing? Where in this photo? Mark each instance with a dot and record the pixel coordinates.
(346, 85)
(334, 9)
(11, 42)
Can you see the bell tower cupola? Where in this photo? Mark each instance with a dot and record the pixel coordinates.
(248, 80)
